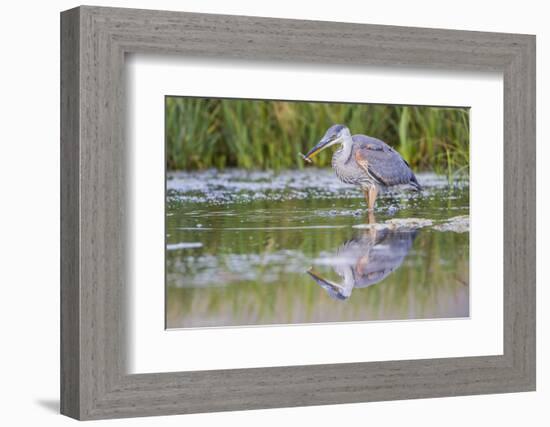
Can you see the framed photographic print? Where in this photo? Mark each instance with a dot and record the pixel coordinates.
(261, 213)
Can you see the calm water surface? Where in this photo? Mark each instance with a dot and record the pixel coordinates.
(258, 248)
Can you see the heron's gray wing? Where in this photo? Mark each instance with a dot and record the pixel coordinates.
(381, 161)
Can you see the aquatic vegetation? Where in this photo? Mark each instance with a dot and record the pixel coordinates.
(397, 224)
(458, 224)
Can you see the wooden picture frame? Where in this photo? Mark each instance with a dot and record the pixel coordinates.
(94, 382)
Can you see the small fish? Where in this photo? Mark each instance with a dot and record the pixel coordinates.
(307, 159)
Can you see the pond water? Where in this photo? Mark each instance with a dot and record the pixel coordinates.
(260, 248)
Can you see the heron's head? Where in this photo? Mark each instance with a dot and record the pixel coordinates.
(336, 134)
(339, 291)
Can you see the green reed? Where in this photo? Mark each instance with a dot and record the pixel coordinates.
(204, 133)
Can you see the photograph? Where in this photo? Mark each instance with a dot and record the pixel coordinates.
(282, 212)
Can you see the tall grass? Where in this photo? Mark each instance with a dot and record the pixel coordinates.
(203, 133)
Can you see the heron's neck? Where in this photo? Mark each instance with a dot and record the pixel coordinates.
(349, 282)
(344, 152)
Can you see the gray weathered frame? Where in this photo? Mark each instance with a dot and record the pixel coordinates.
(94, 41)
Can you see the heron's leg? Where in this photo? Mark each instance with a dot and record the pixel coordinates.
(370, 203)
(372, 220)
(367, 196)
(373, 193)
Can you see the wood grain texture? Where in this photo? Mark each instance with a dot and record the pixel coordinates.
(95, 238)
(70, 292)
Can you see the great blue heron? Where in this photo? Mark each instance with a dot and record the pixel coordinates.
(366, 260)
(365, 161)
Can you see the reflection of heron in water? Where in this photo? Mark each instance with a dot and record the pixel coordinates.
(366, 260)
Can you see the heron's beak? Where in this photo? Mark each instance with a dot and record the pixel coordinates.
(324, 143)
(324, 283)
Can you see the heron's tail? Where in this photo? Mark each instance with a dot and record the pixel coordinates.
(414, 183)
